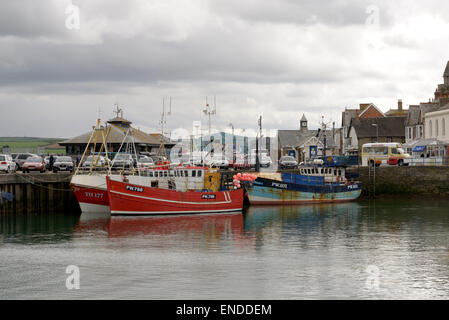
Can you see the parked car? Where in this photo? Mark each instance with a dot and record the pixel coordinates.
(145, 162)
(264, 160)
(98, 162)
(122, 161)
(34, 164)
(7, 164)
(63, 164)
(218, 161)
(287, 162)
(22, 157)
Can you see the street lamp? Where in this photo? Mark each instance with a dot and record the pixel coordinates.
(377, 131)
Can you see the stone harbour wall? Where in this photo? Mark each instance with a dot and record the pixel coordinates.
(406, 180)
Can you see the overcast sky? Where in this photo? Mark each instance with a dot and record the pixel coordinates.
(278, 59)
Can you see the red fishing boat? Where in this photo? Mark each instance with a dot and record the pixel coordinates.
(188, 190)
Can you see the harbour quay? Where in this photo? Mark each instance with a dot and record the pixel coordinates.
(37, 193)
(50, 192)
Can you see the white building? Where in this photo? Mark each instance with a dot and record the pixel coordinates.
(436, 124)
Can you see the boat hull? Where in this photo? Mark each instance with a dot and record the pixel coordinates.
(131, 199)
(91, 193)
(272, 192)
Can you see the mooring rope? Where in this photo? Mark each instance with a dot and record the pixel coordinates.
(45, 187)
(38, 180)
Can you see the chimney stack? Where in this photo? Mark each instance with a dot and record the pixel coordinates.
(400, 105)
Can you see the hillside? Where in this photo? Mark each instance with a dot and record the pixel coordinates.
(29, 144)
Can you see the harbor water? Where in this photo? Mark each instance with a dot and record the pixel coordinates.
(383, 249)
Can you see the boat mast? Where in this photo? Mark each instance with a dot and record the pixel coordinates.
(322, 134)
(162, 122)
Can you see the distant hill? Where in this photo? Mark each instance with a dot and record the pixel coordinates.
(30, 144)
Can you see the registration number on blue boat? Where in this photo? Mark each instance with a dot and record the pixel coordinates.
(279, 185)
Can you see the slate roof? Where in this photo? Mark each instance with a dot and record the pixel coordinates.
(396, 113)
(446, 71)
(117, 134)
(413, 115)
(347, 115)
(295, 138)
(444, 107)
(388, 127)
(303, 117)
(429, 107)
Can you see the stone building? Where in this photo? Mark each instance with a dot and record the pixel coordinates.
(303, 144)
(365, 111)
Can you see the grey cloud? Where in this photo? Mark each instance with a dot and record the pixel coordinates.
(32, 19)
(278, 59)
(304, 12)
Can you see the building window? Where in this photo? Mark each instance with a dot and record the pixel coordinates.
(409, 133)
(420, 132)
(430, 129)
(436, 128)
(443, 127)
(389, 139)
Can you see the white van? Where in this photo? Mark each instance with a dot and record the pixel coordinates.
(383, 153)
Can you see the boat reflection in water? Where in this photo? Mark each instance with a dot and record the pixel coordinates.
(302, 216)
(241, 227)
(123, 226)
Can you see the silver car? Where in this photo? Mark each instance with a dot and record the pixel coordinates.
(21, 158)
(63, 164)
(288, 162)
(90, 161)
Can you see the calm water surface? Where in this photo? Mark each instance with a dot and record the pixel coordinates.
(389, 249)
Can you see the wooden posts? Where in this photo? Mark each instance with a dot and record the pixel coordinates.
(38, 193)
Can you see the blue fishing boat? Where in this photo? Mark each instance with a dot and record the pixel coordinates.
(312, 183)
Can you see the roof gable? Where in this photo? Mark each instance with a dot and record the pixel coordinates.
(312, 141)
(297, 138)
(371, 111)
